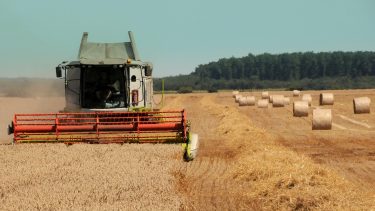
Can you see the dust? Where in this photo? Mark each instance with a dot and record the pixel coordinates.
(31, 87)
(13, 105)
(28, 95)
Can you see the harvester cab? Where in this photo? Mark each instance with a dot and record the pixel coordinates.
(108, 95)
(107, 77)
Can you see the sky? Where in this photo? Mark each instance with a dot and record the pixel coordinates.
(175, 35)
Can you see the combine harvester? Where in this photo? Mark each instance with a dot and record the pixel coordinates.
(109, 94)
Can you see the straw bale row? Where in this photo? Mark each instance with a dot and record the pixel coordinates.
(321, 118)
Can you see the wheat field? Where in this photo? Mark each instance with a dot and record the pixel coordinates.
(249, 159)
(88, 177)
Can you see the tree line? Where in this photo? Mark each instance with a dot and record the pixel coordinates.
(307, 70)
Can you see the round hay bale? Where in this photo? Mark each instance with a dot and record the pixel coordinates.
(234, 93)
(296, 93)
(300, 108)
(326, 99)
(242, 101)
(270, 98)
(263, 103)
(278, 101)
(286, 100)
(361, 105)
(322, 119)
(265, 95)
(237, 97)
(246, 101)
(307, 98)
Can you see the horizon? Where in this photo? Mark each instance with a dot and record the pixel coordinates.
(53, 77)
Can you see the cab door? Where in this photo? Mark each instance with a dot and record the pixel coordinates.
(73, 89)
(136, 87)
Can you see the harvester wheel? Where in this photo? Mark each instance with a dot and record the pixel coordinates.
(191, 150)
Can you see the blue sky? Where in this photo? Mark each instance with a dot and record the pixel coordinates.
(178, 35)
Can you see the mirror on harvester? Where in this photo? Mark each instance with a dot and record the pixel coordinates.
(58, 72)
(148, 70)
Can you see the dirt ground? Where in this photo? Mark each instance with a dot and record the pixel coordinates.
(249, 159)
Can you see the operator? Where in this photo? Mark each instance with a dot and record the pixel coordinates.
(105, 89)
